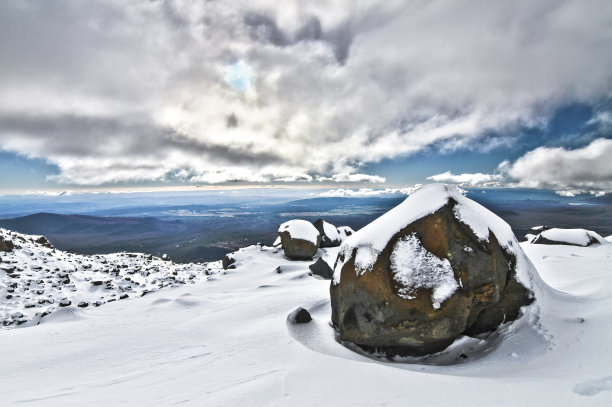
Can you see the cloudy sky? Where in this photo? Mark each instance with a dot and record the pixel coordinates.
(384, 93)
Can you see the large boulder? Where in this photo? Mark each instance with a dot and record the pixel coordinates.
(569, 237)
(330, 237)
(437, 266)
(299, 239)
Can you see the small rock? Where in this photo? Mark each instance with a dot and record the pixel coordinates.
(321, 268)
(65, 302)
(228, 262)
(83, 304)
(299, 316)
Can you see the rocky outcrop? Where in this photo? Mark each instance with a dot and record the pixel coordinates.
(321, 268)
(437, 266)
(299, 239)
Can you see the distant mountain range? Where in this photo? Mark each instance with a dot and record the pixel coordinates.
(192, 232)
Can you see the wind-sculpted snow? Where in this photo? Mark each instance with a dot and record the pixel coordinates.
(37, 280)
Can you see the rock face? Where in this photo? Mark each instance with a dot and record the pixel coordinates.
(299, 239)
(569, 237)
(437, 266)
(330, 237)
(321, 268)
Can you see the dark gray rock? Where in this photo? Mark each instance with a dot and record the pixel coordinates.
(321, 268)
(299, 316)
(228, 262)
(44, 242)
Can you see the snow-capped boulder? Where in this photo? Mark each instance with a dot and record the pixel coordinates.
(299, 238)
(329, 233)
(437, 266)
(322, 269)
(345, 232)
(570, 237)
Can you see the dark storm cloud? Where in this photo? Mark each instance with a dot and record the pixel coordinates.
(265, 29)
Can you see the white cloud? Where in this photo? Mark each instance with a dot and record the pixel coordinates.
(467, 179)
(125, 90)
(583, 169)
(346, 177)
(569, 172)
(366, 192)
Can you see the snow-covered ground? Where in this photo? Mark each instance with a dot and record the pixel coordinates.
(227, 342)
(37, 280)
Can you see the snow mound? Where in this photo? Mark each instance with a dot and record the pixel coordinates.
(609, 238)
(575, 237)
(65, 314)
(300, 229)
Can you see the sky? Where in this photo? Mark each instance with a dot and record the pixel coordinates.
(126, 93)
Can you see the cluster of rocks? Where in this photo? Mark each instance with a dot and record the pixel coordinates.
(36, 279)
(301, 239)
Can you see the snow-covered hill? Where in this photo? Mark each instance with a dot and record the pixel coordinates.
(37, 280)
(227, 342)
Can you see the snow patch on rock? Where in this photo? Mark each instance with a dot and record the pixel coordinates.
(415, 268)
